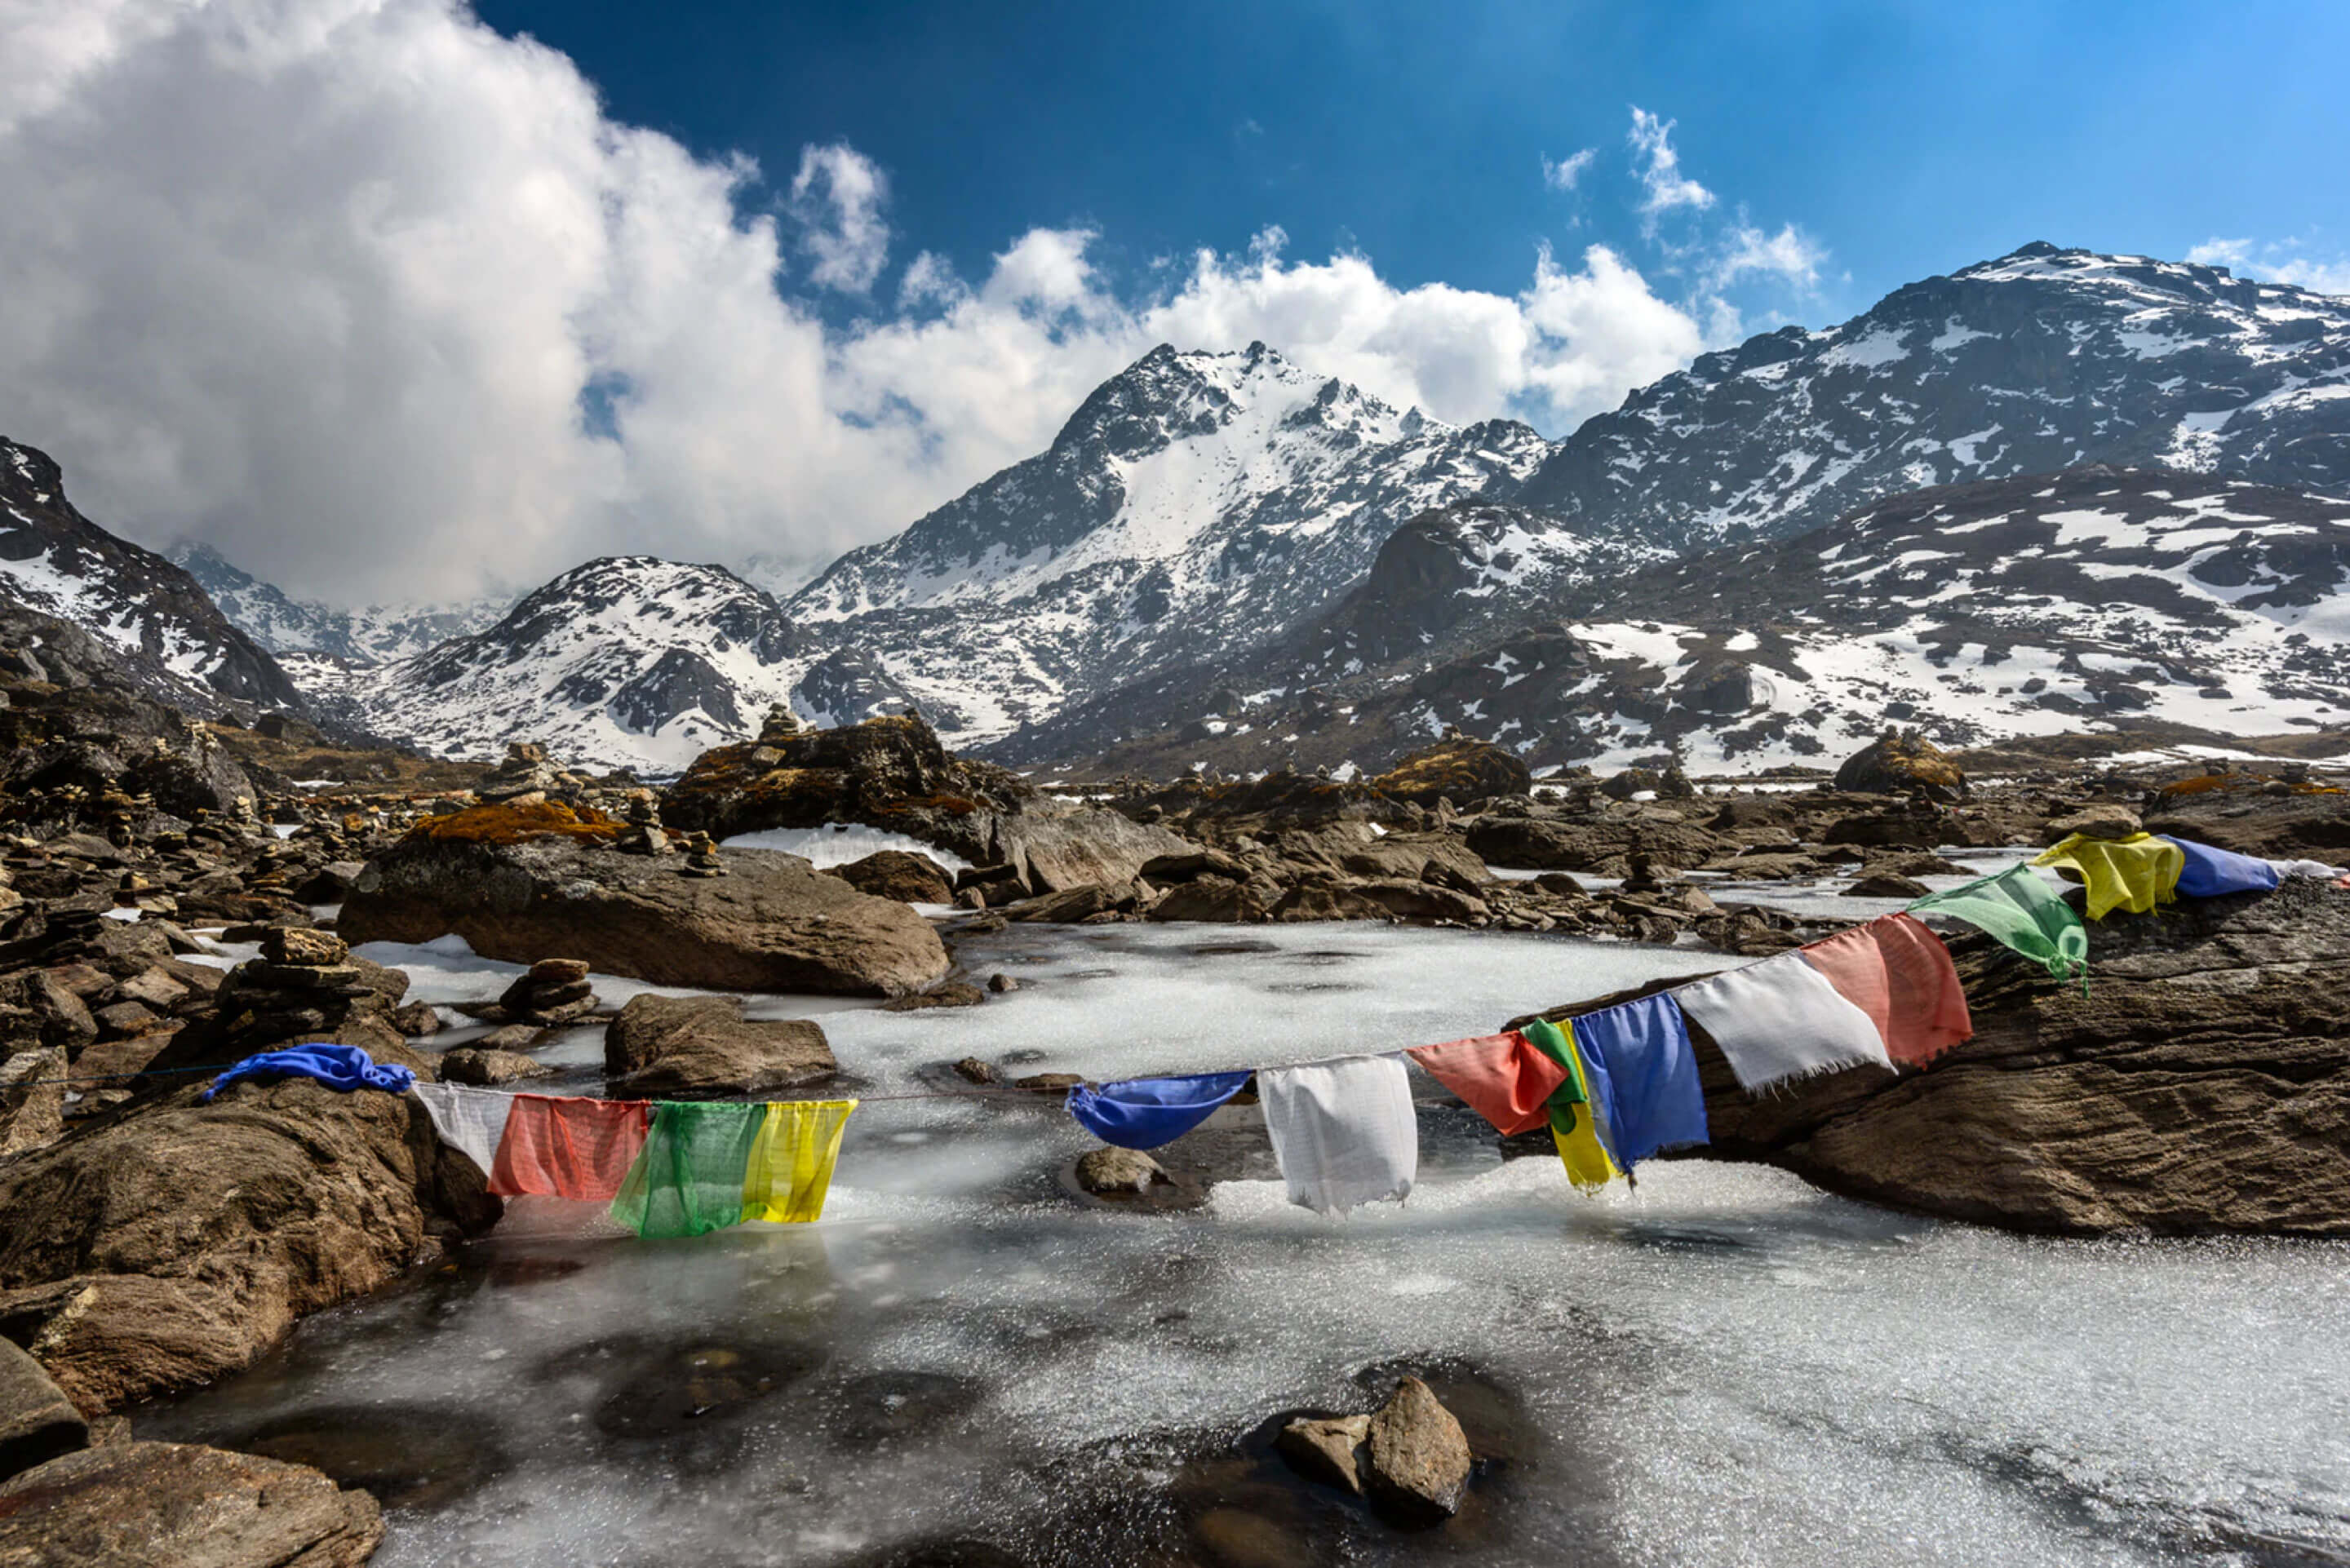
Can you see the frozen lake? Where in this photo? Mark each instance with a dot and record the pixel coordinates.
(1724, 1367)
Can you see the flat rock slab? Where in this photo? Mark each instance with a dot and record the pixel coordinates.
(773, 923)
(180, 1505)
(690, 1045)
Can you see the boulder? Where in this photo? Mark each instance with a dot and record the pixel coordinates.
(1212, 899)
(2108, 819)
(694, 1045)
(157, 1251)
(1075, 903)
(1599, 845)
(36, 1009)
(899, 874)
(951, 993)
(1110, 1170)
(1069, 847)
(1902, 762)
(773, 923)
(1457, 769)
(489, 1068)
(1416, 1457)
(2200, 1085)
(181, 1505)
(1886, 885)
(38, 1422)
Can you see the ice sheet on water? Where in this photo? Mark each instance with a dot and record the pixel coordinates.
(1725, 1366)
(838, 843)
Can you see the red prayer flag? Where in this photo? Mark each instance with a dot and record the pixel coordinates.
(569, 1147)
(1899, 974)
(1504, 1078)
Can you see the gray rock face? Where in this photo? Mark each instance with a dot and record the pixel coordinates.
(32, 1100)
(773, 923)
(58, 562)
(38, 1422)
(166, 1249)
(180, 1505)
(689, 1045)
(1325, 1448)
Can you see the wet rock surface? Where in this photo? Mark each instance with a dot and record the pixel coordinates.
(176, 1505)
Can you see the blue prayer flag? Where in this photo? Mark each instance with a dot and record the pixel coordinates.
(2210, 872)
(1642, 1074)
(339, 1067)
(1143, 1113)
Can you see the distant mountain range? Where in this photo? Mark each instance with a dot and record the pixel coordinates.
(1221, 546)
(378, 634)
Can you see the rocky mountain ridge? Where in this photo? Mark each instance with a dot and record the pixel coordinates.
(56, 562)
(2121, 600)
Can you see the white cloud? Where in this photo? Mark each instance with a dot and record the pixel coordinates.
(2276, 262)
(1562, 175)
(1790, 256)
(332, 284)
(1658, 168)
(838, 196)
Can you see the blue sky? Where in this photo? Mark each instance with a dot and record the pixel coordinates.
(413, 299)
(1903, 139)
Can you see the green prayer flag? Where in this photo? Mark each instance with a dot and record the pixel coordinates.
(688, 1178)
(1547, 1038)
(2020, 909)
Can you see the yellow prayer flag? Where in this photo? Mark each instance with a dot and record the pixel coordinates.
(791, 1163)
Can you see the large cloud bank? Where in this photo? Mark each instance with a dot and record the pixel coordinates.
(384, 304)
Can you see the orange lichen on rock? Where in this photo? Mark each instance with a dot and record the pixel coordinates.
(517, 825)
(2204, 784)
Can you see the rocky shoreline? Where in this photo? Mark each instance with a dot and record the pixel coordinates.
(151, 1242)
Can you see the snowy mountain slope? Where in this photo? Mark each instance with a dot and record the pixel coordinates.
(376, 634)
(626, 661)
(2037, 361)
(1194, 499)
(58, 563)
(2095, 600)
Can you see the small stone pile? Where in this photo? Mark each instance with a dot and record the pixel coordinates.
(525, 778)
(702, 857)
(304, 986)
(554, 992)
(645, 836)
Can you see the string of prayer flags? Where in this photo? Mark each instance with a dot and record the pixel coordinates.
(569, 1147)
(688, 1177)
(1574, 1115)
(1144, 1113)
(1344, 1133)
(1782, 1019)
(471, 1121)
(791, 1163)
(1897, 972)
(2212, 872)
(1502, 1077)
(1641, 1072)
(2021, 912)
(2136, 873)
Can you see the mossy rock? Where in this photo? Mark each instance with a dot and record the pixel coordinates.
(517, 825)
(1459, 769)
(1898, 763)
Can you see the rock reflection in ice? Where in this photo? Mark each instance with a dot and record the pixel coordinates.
(1725, 1366)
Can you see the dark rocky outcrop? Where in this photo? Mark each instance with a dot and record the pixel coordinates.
(692, 1046)
(175, 1242)
(38, 1422)
(1456, 769)
(1900, 762)
(772, 923)
(2255, 815)
(898, 874)
(180, 1505)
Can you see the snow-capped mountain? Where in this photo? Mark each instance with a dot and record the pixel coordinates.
(376, 634)
(58, 562)
(2148, 601)
(627, 661)
(2040, 360)
(1193, 500)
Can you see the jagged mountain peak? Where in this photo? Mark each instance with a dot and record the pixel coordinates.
(56, 562)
